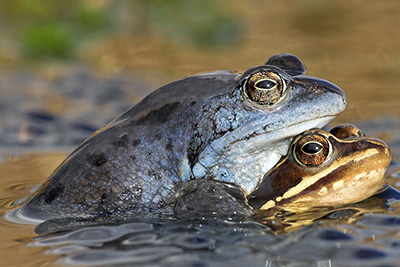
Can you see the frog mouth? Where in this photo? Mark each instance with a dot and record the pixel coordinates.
(304, 126)
(258, 153)
(277, 141)
(287, 131)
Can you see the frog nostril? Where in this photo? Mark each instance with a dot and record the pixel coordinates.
(357, 146)
(317, 88)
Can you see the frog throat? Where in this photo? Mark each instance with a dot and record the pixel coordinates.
(224, 159)
(335, 192)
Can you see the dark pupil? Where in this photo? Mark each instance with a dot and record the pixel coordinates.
(265, 84)
(312, 148)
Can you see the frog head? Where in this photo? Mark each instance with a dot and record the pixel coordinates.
(256, 121)
(325, 169)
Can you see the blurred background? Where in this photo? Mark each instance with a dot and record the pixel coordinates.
(68, 67)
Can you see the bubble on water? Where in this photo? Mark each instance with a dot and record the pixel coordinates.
(106, 257)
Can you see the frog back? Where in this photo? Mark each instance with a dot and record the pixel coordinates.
(135, 164)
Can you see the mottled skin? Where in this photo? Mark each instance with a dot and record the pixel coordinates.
(358, 173)
(199, 127)
(325, 169)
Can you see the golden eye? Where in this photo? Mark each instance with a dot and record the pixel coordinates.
(312, 150)
(265, 87)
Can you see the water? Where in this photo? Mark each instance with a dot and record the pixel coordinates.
(362, 234)
(48, 107)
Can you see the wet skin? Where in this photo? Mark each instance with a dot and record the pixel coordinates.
(324, 169)
(349, 168)
(230, 127)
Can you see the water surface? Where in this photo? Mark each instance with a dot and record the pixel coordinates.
(49, 106)
(362, 234)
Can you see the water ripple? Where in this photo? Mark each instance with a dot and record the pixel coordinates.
(108, 256)
(95, 235)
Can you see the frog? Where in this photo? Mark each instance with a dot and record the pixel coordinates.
(321, 170)
(227, 126)
(324, 169)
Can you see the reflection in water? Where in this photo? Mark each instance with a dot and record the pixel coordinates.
(360, 234)
(357, 234)
(340, 235)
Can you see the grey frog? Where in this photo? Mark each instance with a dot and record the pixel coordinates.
(219, 125)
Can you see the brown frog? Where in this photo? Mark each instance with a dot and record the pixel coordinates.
(324, 169)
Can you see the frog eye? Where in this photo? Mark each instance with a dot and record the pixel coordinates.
(265, 87)
(312, 150)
